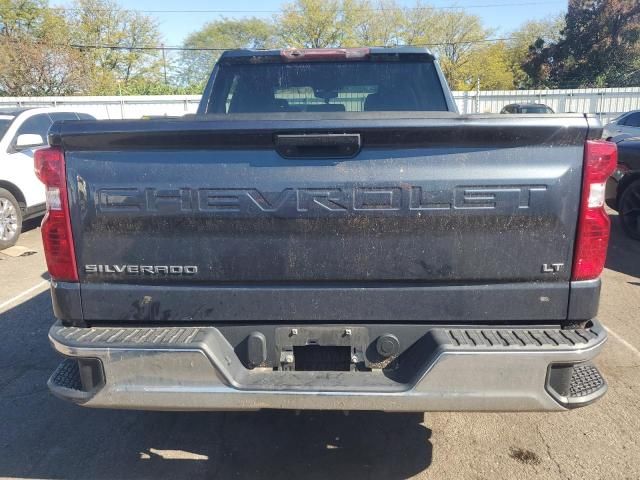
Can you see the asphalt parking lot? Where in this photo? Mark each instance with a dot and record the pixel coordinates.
(43, 437)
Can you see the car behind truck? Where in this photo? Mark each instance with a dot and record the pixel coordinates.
(22, 195)
(327, 233)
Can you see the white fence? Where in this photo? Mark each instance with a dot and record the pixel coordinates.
(606, 103)
(113, 107)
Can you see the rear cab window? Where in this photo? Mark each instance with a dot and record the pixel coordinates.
(336, 86)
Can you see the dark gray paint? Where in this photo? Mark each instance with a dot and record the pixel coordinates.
(67, 304)
(584, 300)
(370, 231)
(472, 303)
(514, 302)
(377, 129)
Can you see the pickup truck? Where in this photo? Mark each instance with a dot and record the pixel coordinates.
(327, 232)
(22, 195)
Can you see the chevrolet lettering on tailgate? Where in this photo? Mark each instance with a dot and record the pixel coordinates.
(408, 198)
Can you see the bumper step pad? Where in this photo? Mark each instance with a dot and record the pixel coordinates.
(77, 379)
(65, 381)
(67, 375)
(576, 385)
(585, 381)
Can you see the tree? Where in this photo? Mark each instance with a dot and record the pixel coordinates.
(35, 56)
(490, 66)
(418, 24)
(523, 39)
(100, 48)
(31, 67)
(453, 36)
(457, 35)
(375, 23)
(457, 38)
(18, 17)
(195, 65)
(117, 42)
(315, 23)
(600, 46)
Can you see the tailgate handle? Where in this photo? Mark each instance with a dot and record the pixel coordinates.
(320, 146)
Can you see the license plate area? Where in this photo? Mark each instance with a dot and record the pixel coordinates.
(314, 358)
(321, 348)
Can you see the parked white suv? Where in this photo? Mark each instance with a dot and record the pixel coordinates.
(626, 124)
(21, 193)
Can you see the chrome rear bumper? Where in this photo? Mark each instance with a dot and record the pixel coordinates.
(181, 368)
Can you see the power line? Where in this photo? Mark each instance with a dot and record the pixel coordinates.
(369, 9)
(221, 49)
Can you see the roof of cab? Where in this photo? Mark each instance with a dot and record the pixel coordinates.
(268, 56)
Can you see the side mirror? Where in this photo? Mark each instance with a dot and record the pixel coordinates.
(29, 140)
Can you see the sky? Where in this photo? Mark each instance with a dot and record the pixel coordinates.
(501, 15)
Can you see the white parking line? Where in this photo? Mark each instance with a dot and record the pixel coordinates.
(23, 294)
(623, 341)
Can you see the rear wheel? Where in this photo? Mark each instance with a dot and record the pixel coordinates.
(629, 210)
(10, 219)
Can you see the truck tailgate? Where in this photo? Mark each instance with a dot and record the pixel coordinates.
(433, 219)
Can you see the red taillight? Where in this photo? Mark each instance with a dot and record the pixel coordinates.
(592, 239)
(320, 54)
(56, 225)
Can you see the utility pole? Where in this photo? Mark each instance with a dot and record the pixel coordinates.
(121, 99)
(164, 63)
(478, 96)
